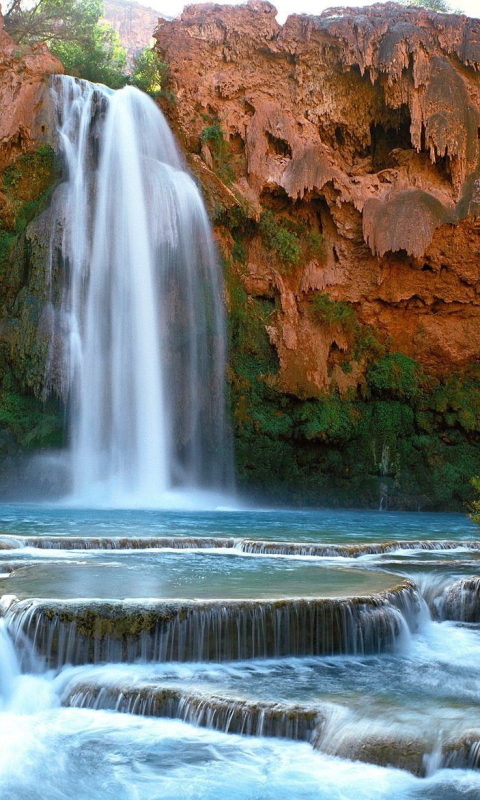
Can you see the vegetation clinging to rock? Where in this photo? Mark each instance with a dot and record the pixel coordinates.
(279, 238)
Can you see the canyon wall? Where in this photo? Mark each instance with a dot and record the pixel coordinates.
(133, 22)
(339, 155)
(23, 72)
(27, 176)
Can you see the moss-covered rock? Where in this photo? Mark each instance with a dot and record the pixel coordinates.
(25, 223)
(406, 438)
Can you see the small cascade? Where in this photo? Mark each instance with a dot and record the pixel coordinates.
(472, 746)
(332, 729)
(151, 543)
(247, 546)
(138, 337)
(229, 715)
(22, 687)
(255, 546)
(347, 737)
(460, 601)
(463, 754)
(67, 632)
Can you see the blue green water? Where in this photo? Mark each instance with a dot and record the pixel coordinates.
(282, 525)
(52, 753)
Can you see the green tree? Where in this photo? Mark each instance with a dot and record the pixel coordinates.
(102, 60)
(436, 5)
(51, 20)
(148, 72)
(74, 32)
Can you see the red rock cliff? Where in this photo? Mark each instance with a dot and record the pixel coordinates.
(22, 86)
(362, 125)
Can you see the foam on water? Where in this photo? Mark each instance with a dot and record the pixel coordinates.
(70, 754)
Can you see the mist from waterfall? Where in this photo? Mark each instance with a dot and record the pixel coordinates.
(139, 337)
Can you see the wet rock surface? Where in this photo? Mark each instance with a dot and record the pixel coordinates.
(82, 632)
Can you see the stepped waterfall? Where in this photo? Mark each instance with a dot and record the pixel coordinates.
(138, 344)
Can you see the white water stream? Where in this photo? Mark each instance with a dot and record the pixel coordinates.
(77, 732)
(139, 340)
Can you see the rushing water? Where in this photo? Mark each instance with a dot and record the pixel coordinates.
(140, 326)
(89, 732)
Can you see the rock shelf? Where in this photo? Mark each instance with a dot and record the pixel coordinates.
(79, 632)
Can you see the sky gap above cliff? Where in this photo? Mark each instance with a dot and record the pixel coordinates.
(286, 7)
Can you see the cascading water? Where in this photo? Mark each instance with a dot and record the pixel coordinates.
(139, 338)
(107, 692)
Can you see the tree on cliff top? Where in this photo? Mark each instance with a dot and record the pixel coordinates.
(435, 5)
(74, 32)
(51, 20)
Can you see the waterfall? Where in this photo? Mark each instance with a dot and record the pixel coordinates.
(84, 631)
(139, 343)
(9, 666)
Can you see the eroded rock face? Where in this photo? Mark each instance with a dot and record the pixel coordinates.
(22, 91)
(27, 174)
(359, 125)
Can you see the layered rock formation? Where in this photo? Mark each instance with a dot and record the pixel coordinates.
(27, 173)
(362, 125)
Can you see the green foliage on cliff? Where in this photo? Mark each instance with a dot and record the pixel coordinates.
(406, 434)
(279, 238)
(51, 20)
(395, 375)
(7, 241)
(475, 504)
(149, 73)
(26, 187)
(32, 423)
(434, 5)
(214, 137)
(102, 60)
(333, 312)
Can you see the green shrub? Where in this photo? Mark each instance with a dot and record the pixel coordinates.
(314, 244)
(475, 504)
(213, 136)
(239, 252)
(31, 422)
(149, 72)
(277, 237)
(396, 375)
(329, 418)
(333, 312)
